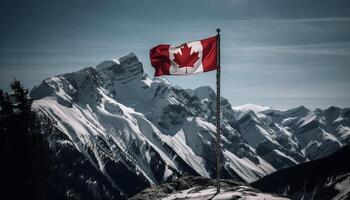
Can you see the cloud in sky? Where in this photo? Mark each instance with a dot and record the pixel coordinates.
(276, 52)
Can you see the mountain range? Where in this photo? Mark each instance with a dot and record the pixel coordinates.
(116, 131)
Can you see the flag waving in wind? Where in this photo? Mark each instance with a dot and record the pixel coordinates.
(188, 58)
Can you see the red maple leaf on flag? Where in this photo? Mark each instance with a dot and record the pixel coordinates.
(185, 58)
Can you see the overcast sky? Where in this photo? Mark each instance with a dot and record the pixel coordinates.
(278, 53)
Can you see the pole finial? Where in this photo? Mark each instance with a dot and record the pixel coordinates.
(218, 30)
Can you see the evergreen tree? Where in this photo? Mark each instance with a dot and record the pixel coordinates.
(5, 104)
(23, 108)
(6, 143)
(23, 146)
(6, 114)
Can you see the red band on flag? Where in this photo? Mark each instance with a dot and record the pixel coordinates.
(159, 56)
(209, 54)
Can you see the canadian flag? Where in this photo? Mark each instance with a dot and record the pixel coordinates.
(188, 58)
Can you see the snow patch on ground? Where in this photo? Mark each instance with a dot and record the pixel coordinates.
(241, 192)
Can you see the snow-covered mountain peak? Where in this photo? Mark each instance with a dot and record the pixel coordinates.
(124, 70)
(204, 92)
(131, 57)
(300, 110)
(249, 109)
(107, 64)
(252, 107)
(88, 83)
(128, 59)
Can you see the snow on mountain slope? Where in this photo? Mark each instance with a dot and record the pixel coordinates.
(301, 134)
(135, 131)
(115, 115)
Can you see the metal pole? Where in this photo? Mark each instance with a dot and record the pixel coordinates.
(218, 147)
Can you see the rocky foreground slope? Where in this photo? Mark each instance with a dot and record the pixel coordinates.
(326, 178)
(200, 188)
(115, 132)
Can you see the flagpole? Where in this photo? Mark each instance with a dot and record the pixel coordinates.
(218, 147)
